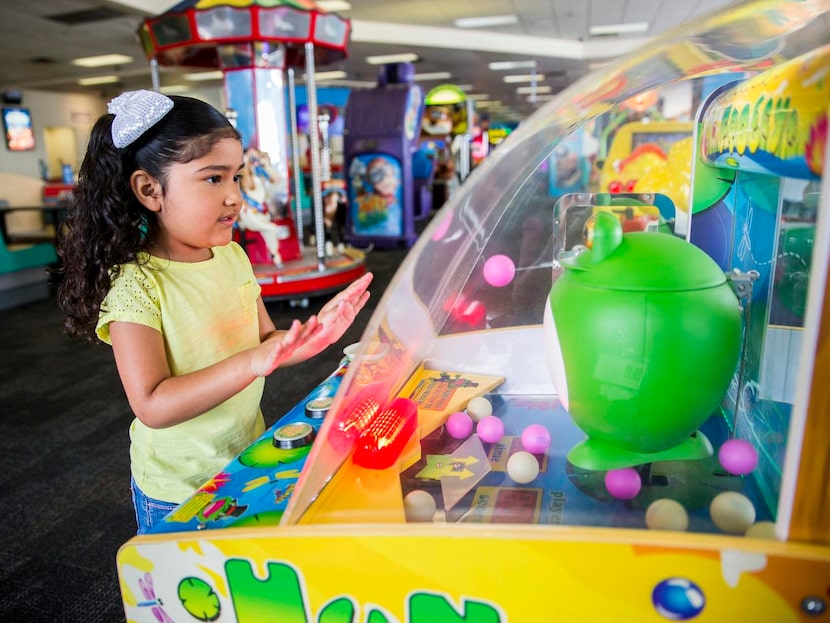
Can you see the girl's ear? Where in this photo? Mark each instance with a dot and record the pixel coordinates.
(147, 189)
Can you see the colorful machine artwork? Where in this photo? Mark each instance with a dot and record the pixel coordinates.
(379, 152)
(445, 480)
(376, 195)
(254, 489)
(569, 166)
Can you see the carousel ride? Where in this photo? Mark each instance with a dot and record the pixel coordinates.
(257, 44)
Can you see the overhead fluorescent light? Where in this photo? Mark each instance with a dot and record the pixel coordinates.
(204, 75)
(523, 78)
(435, 75)
(103, 61)
(337, 74)
(88, 82)
(383, 59)
(486, 20)
(355, 84)
(478, 96)
(333, 5)
(505, 65)
(619, 29)
(488, 103)
(532, 90)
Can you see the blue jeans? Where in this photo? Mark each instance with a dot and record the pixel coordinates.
(148, 511)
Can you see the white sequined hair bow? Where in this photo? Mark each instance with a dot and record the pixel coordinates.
(135, 113)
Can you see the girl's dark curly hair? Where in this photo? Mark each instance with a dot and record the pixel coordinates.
(107, 226)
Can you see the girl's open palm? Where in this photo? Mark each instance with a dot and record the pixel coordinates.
(337, 315)
(280, 346)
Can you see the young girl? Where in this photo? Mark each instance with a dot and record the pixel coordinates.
(149, 267)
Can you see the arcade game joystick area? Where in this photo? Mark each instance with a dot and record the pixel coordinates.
(574, 401)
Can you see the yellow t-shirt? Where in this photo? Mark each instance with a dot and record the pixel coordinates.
(206, 311)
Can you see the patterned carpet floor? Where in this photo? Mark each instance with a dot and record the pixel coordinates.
(64, 456)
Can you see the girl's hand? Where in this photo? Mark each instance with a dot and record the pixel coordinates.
(339, 313)
(281, 345)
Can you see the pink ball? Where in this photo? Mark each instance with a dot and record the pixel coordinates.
(499, 270)
(623, 484)
(738, 456)
(459, 425)
(536, 439)
(443, 227)
(490, 429)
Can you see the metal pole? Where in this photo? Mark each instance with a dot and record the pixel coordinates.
(295, 155)
(325, 148)
(154, 74)
(314, 141)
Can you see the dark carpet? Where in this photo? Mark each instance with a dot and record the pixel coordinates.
(64, 456)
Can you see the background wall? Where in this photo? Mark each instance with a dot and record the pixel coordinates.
(62, 123)
(77, 112)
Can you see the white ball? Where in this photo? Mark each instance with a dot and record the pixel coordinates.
(522, 467)
(732, 512)
(667, 514)
(762, 530)
(419, 506)
(479, 407)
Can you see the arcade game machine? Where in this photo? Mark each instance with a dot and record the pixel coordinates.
(446, 130)
(433, 164)
(637, 147)
(570, 165)
(382, 127)
(256, 43)
(550, 417)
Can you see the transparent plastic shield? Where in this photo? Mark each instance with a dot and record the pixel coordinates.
(465, 315)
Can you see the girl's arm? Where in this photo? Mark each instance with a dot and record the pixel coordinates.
(335, 317)
(160, 399)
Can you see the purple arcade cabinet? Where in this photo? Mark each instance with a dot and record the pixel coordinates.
(382, 126)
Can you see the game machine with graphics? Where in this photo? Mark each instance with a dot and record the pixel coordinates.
(381, 131)
(550, 417)
(447, 130)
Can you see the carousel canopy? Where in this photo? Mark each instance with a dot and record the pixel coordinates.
(244, 33)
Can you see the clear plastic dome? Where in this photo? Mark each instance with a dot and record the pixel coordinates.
(465, 317)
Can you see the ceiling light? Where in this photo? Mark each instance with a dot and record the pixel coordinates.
(488, 20)
(532, 90)
(478, 96)
(505, 65)
(333, 5)
(329, 75)
(355, 84)
(88, 82)
(523, 78)
(435, 75)
(204, 75)
(103, 60)
(383, 59)
(619, 29)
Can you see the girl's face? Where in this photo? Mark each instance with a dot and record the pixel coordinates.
(201, 204)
